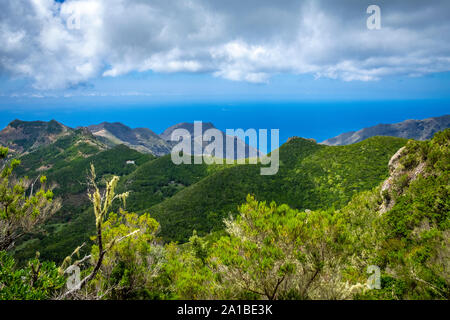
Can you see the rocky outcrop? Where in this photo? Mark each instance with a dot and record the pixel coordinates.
(399, 177)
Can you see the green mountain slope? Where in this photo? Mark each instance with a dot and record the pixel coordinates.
(65, 151)
(25, 136)
(157, 180)
(311, 176)
(187, 197)
(403, 225)
(72, 225)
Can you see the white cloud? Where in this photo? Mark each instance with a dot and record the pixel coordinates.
(240, 41)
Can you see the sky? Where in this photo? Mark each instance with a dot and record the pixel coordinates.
(310, 68)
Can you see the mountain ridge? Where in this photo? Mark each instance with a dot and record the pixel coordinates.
(140, 139)
(408, 129)
(24, 136)
(311, 176)
(249, 151)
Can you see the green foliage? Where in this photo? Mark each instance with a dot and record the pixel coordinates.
(186, 273)
(391, 289)
(333, 224)
(409, 242)
(59, 239)
(311, 176)
(132, 261)
(38, 281)
(21, 212)
(3, 153)
(67, 149)
(199, 247)
(417, 235)
(278, 252)
(73, 224)
(57, 168)
(160, 179)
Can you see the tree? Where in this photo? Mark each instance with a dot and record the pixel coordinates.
(37, 281)
(131, 265)
(188, 271)
(21, 212)
(277, 252)
(102, 204)
(126, 237)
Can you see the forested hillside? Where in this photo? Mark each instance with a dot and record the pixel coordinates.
(227, 232)
(184, 198)
(67, 162)
(311, 176)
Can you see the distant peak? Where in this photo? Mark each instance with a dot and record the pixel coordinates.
(299, 138)
(24, 136)
(84, 131)
(189, 126)
(408, 129)
(108, 126)
(21, 123)
(17, 122)
(106, 123)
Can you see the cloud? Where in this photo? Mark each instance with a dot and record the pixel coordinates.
(236, 40)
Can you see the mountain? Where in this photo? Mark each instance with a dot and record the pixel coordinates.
(25, 136)
(409, 129)
(184, 198)
(195, 141)
(406, 220)
(311, 176)
(66, 163)
(393, 193)
(141, 139)
(166, 135)
(155, 181)
(65, 151)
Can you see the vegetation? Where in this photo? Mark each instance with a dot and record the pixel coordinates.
(311, 176)
(130, 266)
(37, 281)
(184, 198)
(73, 224)
(415, 247)
(21, 212)
(277, 252)
(338, 210)
(22, 136)
(158, 180)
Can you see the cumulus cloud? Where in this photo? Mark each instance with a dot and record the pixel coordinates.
(248, 40)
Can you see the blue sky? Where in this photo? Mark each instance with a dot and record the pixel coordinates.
(309, 68)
